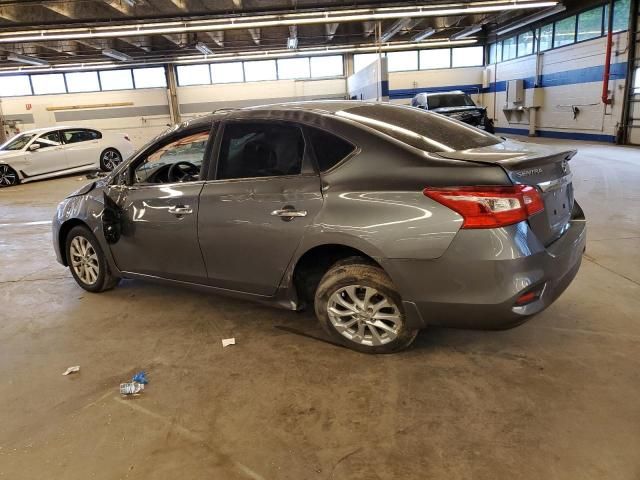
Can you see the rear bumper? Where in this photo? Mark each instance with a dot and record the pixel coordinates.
(476, 283)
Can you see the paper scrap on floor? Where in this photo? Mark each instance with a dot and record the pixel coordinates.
(228, 341)
(73, 369)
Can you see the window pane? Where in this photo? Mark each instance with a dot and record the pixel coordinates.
(492, 53)
(468, 56)
(82, 82)
(327, 66)
(14, 85)
(227, 72)
(499, 52)
(590, 24)
(509, 48)
(149, 77)
(46, 140)
(436, 58)
(620, 16)
(44, 84)
(251, 150)
(116, 80)
(402, 61)
(329, 150)
(193, 75)
(290, 68)
(525, 44)
(363, 60)
(546, 34)
(189, 149)
(565, 32)
(260, 70)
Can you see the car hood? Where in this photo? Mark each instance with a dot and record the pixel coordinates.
(6, 155)
(446, 110)
(509, 154)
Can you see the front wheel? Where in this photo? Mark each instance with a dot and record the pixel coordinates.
(357, 304)
(110, 159)
(87, 262)
(8, 176)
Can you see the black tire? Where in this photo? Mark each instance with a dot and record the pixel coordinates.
(358, 272)
(8, 176)
(104, 280)
(110, 159)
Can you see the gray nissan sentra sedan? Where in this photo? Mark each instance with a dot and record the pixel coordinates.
(385, 219)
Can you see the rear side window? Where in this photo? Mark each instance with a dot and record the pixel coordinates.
(260, 149)
(427, 131)
(328, 148)
(80, 135)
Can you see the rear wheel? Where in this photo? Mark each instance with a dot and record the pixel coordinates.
(87, 262)
(110, 159)
(8, 176)
(357, 304)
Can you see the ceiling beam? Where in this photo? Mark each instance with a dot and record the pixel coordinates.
(330, 30)
(120, 6)
(368, 28)
(389, 33)
(217, 37)
(255, 35)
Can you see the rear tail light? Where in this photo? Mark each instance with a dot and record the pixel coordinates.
(126, 137)
(489, 207)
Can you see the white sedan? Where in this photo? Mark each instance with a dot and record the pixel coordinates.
(53, 151)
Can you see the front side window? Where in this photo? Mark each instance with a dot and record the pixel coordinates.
(51, 139)
(79, 135)
(178, 161)
(252, 150)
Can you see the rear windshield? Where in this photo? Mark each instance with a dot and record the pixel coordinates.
(427, 131)
(447, 100)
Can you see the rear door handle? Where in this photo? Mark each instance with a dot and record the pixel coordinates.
(288, 213)
(181, 210)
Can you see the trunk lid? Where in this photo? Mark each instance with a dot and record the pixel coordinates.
(542, 166)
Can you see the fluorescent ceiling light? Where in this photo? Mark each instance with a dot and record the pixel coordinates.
(289, 19)
(248, 55)
(203, 49)
(531, 19)
(131, 3)
(395, 28)
(423, 34)
(110, 52)
(14, 57)
(466, 32)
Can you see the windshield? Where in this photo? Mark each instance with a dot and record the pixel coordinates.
(419, 128)
(448, 100)
(18, 142)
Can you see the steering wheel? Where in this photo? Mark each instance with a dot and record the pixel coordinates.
(182, 172)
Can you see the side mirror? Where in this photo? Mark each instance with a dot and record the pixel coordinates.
(33, 147)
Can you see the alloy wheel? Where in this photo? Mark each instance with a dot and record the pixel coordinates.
(7, 176)
(84, 260)
(364, 315)
(111, 159)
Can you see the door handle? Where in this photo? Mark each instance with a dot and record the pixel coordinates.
(181, 210)
(288, 213)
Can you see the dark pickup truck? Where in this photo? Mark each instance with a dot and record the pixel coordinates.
(456, 104)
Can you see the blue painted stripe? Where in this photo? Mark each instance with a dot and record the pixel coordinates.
(568, 77)
(594, 137)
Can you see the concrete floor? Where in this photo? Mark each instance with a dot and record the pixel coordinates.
(556, 398)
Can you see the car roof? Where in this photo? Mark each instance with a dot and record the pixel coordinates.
(57, 127)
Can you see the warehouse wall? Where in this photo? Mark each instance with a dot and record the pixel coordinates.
(569, 76)
(198, 100)
(403, 86)
(147, 115)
